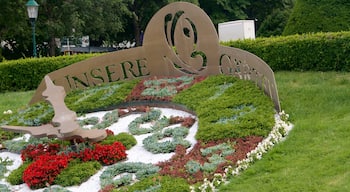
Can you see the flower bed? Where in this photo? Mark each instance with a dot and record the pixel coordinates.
(236, 125)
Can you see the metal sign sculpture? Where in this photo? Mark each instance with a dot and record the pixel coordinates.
(179, 40)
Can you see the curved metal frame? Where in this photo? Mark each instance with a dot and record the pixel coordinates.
(180, 39)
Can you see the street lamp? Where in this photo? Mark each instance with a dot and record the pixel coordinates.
(32, 8)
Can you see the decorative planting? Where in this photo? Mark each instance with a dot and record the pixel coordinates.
(236, 125)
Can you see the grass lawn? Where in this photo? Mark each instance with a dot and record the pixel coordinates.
(316, 154)
(14, 100)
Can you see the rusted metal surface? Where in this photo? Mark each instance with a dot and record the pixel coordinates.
(64, 123)
(180, 39)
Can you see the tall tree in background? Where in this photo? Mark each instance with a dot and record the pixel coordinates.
(225, 10)
(140, 13)
(274, 23)
(110, 21)
(14, 29)
(100, 20)
(53, 18)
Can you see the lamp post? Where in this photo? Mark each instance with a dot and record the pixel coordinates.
(32, 8)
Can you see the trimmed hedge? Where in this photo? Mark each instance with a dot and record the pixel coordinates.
(307, 52)
(318, 16)
(26, 74)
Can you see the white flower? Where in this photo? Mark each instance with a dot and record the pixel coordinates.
(8, 112)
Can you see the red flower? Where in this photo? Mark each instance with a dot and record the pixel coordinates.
(44, 170)
(109, 154)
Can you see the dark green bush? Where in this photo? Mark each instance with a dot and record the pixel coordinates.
(77, 172)
(125, 138)
(26, 74)
(318, 16)
(307, 52)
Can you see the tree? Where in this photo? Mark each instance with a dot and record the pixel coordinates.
(140, 12)
(14, 29)
(275, 22)
(225, 10)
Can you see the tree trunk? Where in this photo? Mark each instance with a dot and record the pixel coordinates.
(52, 46)
(137, 30)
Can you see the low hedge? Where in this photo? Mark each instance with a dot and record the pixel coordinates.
(307, 52)
(26, 74)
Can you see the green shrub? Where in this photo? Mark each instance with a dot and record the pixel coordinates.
(307, 52)
(125, 138)
(241, 110)
(159, 184)
(15, 177)
(99, 97)
(3, 166)
(26, 74)
(318, 16)
(77, 172)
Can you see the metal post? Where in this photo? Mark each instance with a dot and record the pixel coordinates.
(32, 21)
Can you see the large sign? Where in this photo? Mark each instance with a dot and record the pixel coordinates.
(180, 39)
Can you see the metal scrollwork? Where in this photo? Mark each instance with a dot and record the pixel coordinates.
(182, 37)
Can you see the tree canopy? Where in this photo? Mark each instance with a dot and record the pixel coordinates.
(106, 22)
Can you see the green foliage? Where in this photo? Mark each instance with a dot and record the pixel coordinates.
(17, 145)
(34, 115)
(126, 139)
(15, 177)
(79, 100)
(274, 23)
(307, 52)
(241, 121)
(178, 134)
(26, 74)
(77, 172)
(225, 10)
(3, 166)
(141, 171)
(4, 188)
(56, 189)
(135, 126)
(215, 154)
(318, 16)
(318, 104)
(107, 120)
(159, 184)
(99, 97)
